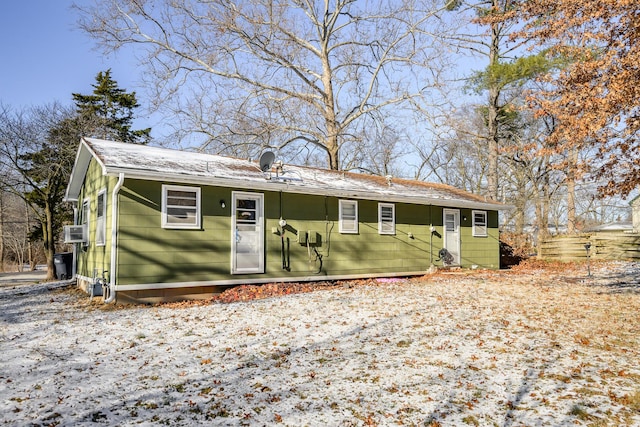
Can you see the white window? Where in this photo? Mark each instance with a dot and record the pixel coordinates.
(348, 216)
(101, 218)
(85, 219)
(479, 223)
(180, 207)
(386, 218)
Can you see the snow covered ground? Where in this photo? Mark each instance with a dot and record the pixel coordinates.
(528, 348)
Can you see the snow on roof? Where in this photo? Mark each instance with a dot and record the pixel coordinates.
(162, 164)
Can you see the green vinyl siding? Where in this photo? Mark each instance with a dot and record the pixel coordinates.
(94, 256)
(481, 251)
(147, 253)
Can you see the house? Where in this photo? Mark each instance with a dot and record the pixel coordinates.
(161, 224)
(611, 227)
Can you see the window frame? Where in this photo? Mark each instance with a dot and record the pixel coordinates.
(196, 225)
(341, 217)
(382, 222)
(85, 220)
(479, 229)
(258, 220)
(101, 218)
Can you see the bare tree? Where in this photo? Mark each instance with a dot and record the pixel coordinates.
(458, 156)
(276, 73)
(490, 41)
(37, 148)
(2, 227)
(16, 218)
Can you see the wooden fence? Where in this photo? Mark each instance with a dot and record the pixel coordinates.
(604, 245)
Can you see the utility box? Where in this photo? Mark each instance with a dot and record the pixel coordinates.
(312, 237)
(97, 289)
(302, 237)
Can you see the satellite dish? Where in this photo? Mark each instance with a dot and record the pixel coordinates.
(266, 161)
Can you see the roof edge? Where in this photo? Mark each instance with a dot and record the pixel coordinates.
(80, 166)
(283, 186)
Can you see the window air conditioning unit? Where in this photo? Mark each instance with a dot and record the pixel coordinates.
(75, 233)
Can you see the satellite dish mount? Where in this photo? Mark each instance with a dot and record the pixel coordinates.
(266, 161)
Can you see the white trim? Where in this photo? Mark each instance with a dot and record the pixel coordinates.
(393, 218)
(455, 251)
(197, 209)
(235, 282)
(341, 220)
(272, 185)
(114, 240)
(101, 226)
(85, 219)
(479, 230)
(80, 166)
(259, 223)
(75, 247)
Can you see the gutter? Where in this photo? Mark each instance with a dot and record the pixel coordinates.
(114, 242)
(333, 192)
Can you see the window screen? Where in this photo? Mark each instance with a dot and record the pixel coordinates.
(180, 207)
(348, 216)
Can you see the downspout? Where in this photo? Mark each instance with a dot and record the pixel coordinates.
(114, 242)
(284, 253)
(431, 230)
(74, 262)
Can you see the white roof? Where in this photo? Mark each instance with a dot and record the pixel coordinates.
(611, 226)
(167, 165)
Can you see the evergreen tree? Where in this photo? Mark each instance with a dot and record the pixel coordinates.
(108, 112)
(38, 147)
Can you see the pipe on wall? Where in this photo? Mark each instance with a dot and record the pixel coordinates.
(74, 267)
(430, 236)
(114, 245)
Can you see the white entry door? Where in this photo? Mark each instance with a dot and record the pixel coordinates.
(452, 233)
(247, 239)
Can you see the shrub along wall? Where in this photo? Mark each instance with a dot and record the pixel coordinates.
(609, 245)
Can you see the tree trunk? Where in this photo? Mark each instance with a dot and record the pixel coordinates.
(331, 142)
(542, 209)
(1, 231)
(333, 152)
(492, 115)
(571, 205)
(32, 263)
(571, 191)
(520, 205)
(48, 239)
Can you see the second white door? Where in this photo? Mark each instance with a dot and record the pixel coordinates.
(452, 233)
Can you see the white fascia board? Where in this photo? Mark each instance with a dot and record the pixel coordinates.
(272, 185)
(79, 171)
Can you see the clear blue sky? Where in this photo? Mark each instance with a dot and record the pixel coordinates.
(45, 58)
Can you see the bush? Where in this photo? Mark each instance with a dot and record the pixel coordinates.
(514, 248)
